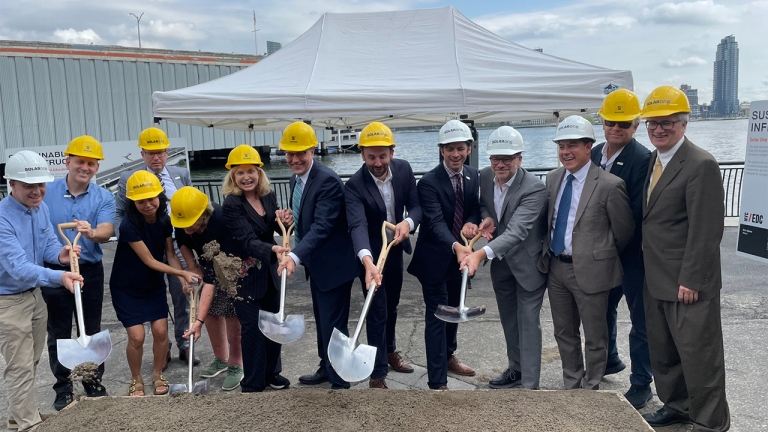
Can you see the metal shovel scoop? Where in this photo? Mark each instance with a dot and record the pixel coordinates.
(200, 387)
(95, 348)
(461, 313)
(350, 363)
(276, 326)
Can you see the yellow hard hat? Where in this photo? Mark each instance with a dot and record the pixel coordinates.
(376, 134)
(142, 185)
(243, 155)
(298, 137)
(187, 205)
(664, 101)
(85, 146)
(153, 139)
(620, 106)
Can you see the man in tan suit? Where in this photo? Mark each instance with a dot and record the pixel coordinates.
(589, 222)
(682, 229)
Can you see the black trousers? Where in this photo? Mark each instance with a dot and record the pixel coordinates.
(331, 310)
(440, 336)
(61, 315)
(261, 356)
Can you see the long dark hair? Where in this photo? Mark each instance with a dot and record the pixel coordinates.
(138, 218)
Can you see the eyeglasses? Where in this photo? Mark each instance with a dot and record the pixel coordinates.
(623, 125)
(155, 154)
(505, 161)
(665, 125)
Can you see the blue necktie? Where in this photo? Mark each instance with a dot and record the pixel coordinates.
(558, 239)
(296, 204)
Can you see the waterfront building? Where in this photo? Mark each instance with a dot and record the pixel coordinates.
(693, 99)
(273, 47)
(725, 85)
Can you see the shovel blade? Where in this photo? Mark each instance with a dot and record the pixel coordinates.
(452, 314)
(283, 332)
(351, 365)
(72, 352)
(202, 387)
(177, 388)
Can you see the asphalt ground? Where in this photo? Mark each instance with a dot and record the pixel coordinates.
(481, 342)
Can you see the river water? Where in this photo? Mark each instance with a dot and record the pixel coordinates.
(725, 139)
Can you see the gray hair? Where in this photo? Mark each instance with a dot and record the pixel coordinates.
(683, 117)
(636, 121)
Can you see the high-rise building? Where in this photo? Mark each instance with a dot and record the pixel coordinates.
(693, 99)
(725, 85)
(272, 47)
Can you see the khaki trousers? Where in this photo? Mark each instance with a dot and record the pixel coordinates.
(23, 319)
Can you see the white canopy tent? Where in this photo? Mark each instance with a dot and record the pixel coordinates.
(407, 68)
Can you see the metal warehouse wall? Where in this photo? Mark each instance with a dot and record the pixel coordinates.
(48, 101)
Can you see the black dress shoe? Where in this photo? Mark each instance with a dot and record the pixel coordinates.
(639, 395)
(508, 379)
(664, 417)
(316, 378)
(62, 400)
(614, 368)
(184, 356)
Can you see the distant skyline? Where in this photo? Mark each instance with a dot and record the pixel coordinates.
(661, 42)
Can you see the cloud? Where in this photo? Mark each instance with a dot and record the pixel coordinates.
(174, 30)
(547, 24)
(765, 82)
(690, 61)
(672, 79)
(691, 13)
(71, 35)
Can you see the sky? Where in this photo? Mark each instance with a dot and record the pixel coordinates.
(662, 42)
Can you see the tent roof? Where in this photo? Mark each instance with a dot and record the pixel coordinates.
(406, 68)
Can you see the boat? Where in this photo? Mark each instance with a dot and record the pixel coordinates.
(344, 141)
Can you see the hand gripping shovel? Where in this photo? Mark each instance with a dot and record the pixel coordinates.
(200, 387)
(95, 348)
(356, 364)
(276, 326)
(461, 313)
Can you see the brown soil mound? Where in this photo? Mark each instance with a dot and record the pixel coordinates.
(227, 268)
(355, 410)
(88, 371)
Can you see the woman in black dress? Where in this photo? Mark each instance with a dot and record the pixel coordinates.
(249, 213)
(137, 284)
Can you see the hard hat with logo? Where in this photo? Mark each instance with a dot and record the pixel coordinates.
(505, 141)
(454, 131)
(243, 155)
(298, 137)
(28, 167)
(153, 139)
(664, 101)
(187, 205)
(574, 127)
(376, 134)
(142, 185)
(85, 146)
(620, 106)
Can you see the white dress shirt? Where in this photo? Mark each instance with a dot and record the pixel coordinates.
(499, 194)
(664, 158)
(303, 178)
(577, 185)
(385, 189)
(606, 163)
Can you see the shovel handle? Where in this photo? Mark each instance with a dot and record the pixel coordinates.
(385, 247)
(73, 263)
(286, 234)
(471, 243)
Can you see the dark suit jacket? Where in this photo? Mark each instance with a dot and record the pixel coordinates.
(434, 256)
(325, 248)
(366, 211)
(253, 238)
(683, 225)
(602, 228)
(631, 166)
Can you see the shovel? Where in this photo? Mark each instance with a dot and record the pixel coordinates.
(95, 348)
(200, 387)
(350, 363)
(277, 326)
(461, 313)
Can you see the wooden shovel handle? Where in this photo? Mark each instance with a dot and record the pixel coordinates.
(286, 234)
(471, 243)
(73, 264)
(384, 245)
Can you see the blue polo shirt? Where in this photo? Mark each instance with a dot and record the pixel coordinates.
(96, 205)
(27, 239)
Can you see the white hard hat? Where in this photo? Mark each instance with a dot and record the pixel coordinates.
(505, 141)
(574, 127)
(454, 131)
(28, 167)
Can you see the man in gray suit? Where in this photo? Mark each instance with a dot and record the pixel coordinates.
(515, 201)
(682, 229)
(154, 150)
(589, 223)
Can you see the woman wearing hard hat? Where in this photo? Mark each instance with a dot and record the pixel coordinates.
(137, 284)
(198, 222)
(249, 213)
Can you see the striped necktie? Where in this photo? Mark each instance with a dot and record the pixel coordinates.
(458, 211)
(296, 204)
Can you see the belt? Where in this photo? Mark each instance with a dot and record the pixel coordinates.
(21, 292)
(568, 259)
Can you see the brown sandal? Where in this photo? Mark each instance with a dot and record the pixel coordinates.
(159, 381)
(137, 385)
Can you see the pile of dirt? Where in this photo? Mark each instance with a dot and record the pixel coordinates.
(88, 372)
(228, 268)
(354, 410)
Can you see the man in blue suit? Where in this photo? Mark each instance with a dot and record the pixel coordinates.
(323, 244)
(380, 191)
(449, 201)
(624, 157)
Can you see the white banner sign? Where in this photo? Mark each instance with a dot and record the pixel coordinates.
(753, 219)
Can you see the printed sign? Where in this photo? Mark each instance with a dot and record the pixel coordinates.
(753, 219)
